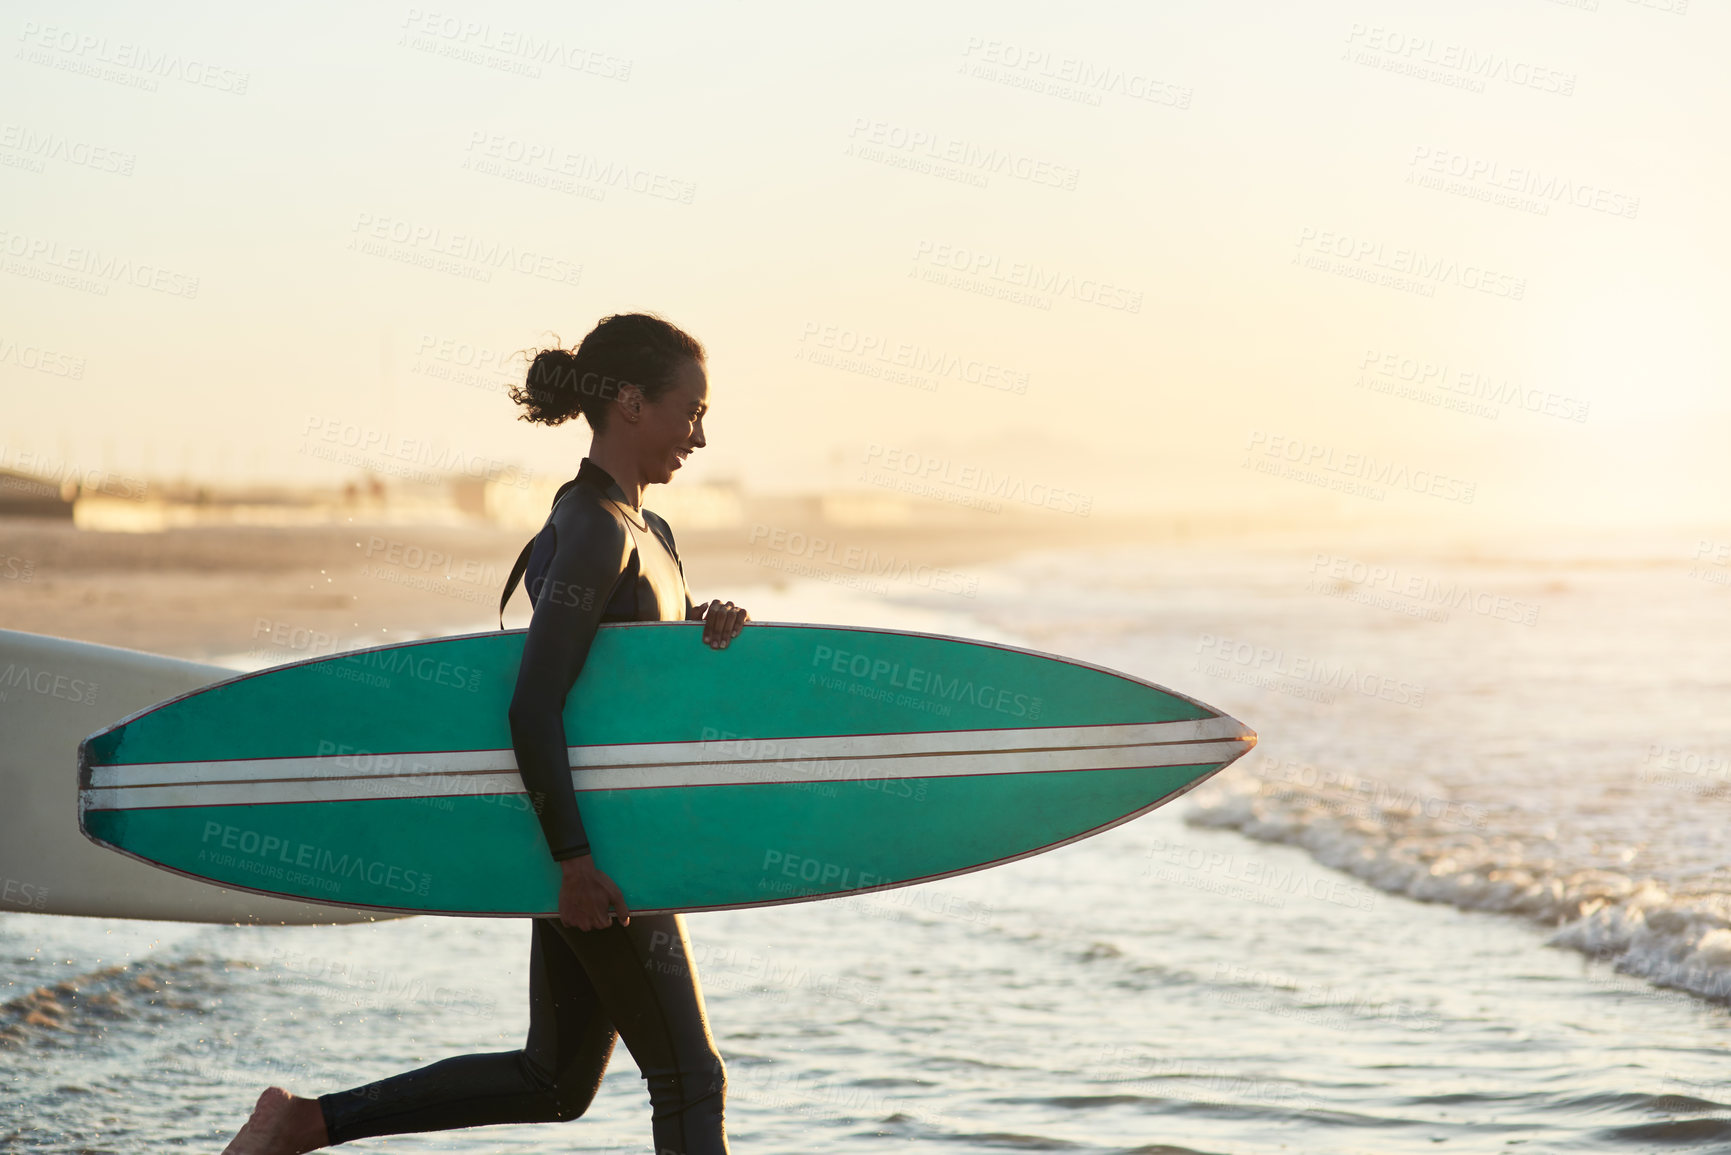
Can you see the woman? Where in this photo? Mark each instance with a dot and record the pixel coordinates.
(594, 972)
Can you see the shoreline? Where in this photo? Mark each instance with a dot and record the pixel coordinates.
(297, 591)
(200, 592)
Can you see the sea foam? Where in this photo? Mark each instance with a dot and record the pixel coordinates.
(1459, 856)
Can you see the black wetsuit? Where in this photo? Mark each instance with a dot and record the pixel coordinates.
(596, 560)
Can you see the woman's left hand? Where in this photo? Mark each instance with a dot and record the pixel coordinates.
(722, 622)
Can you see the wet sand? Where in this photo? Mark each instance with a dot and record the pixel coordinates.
(198, 592)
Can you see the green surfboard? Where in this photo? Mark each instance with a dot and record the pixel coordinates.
(801, 762)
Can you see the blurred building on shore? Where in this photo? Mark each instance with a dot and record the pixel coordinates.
(111, 503)
(25, 495)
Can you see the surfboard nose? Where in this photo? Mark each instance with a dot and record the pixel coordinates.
(1244, 734)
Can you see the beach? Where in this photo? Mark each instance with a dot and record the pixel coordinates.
(1354, 371)
(323, 588)
(1467, 893)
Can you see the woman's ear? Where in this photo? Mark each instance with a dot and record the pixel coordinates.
(630, 402)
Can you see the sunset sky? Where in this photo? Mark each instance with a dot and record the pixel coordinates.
(1163, 256)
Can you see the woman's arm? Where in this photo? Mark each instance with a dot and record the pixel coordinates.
(591, 553)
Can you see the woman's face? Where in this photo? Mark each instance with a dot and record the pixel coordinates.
(671, 427)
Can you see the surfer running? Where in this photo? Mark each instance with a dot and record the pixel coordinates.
(595, 972)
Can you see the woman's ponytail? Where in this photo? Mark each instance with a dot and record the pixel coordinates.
(625, 349)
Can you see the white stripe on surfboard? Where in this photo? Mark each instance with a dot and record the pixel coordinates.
(710, 752)
(666, 776)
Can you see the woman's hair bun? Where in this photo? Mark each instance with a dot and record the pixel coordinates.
(626, 349)
(549, 390)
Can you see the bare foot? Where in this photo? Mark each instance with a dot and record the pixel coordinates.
(281, 1124)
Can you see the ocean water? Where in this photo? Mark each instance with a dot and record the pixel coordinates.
(1470, 893)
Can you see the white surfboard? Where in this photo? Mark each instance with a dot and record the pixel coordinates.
(54, 692)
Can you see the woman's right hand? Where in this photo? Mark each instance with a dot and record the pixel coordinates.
(585, 894)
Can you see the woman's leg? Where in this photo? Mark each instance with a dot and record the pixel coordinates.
(553, 1077)
(647, 984)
